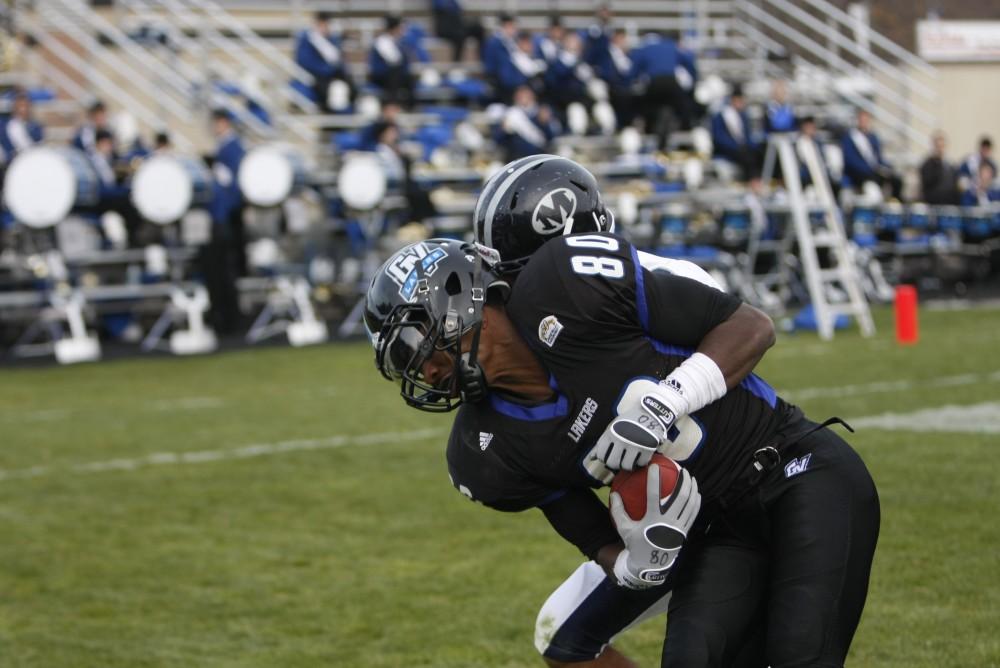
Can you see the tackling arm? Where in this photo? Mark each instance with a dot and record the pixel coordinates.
(582, 519)
(738, 343)
(729, 338)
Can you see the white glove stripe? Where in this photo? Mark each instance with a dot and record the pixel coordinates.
(665, 505)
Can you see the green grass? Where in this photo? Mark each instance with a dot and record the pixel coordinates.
(361, 553)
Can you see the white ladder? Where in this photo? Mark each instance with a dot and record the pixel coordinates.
(828, 233)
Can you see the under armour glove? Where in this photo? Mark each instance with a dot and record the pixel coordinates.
(630, 440)
(652, 543)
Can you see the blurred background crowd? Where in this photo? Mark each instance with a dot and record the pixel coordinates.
(287, 149)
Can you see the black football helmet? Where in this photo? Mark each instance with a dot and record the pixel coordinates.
(533, 200)
(423, 300)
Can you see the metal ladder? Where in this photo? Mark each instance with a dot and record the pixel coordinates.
(828, 233)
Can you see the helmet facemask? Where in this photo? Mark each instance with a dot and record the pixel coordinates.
(425, 301)
(410, 338)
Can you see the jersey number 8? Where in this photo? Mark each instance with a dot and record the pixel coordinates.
(591, 265)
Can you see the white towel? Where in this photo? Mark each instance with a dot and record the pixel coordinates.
(734, 123)
(327, 49)
(386, 47)
(17, 132)
(527, 65)
(864, 146)
(517, 121)
(621, 61)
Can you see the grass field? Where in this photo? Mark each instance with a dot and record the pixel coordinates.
(282, 507)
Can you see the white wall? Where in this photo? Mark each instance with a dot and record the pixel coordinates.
(967, 105)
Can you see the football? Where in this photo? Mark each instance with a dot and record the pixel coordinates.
(631, 485)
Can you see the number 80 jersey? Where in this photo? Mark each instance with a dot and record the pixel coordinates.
(599, 316)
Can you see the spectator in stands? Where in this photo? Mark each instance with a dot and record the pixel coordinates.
(519, 68)
(969, 171)
(687, 77)
(102, 158)
(399, 173)
(224, 258)
(863, 160)
(983, 191)
(86, 135)
(131, 148)
(20, 131)
(938, 177)
(389, 64)
(547, 46)
(733, 139)
(388, 116)
(453, 26)
(527, 128)
(598, 36)
(656, 63)
(318, 51)
(779, 115)
(615, 68)
(808, 140)
(498, 47)
(162, 144)
(387, 150)
(114, 192)
(567, 76)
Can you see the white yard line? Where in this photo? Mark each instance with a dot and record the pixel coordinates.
(157, 405)
(186, 403)
(889, 386)
(203, 456)
(981, 418)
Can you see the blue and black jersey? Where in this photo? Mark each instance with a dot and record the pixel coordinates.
(598, 315)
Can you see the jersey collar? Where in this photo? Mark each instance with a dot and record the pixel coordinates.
(558, 407)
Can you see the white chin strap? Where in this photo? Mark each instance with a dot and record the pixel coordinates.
(608, 226)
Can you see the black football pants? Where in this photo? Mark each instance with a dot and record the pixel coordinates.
(780, 579)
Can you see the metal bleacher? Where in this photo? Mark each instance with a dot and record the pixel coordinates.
(169, 61)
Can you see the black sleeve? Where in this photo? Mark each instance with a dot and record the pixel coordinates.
(484, 476)
(680, 310)
(581, 518)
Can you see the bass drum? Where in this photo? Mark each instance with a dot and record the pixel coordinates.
(44, 183)
(270, 174)
(362, 181)
(165, 187)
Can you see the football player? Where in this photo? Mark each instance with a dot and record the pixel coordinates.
(588, 610)
(514, 230)
(524, 205)
(577, 344)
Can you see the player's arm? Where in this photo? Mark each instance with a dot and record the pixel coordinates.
(579, 516)
(635, 553)
(738, 343)
(729, 338)
(687, 313)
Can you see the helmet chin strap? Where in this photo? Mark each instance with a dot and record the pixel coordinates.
(471, 378)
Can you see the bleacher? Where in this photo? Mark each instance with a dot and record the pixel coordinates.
(167, 63)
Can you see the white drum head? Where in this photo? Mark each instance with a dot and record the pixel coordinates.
(40, 187)
(630, 141)
(361, 182)
(694, 173)
(162, 190)
(702, 141)
(266, 176)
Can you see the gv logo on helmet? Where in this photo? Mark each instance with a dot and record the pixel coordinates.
(402, 269)
(554, 211)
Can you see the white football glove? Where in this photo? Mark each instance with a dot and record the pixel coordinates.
(630, 440)
(652, 543)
